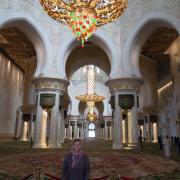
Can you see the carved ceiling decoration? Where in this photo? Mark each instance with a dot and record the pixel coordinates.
(17, 45)
(156, 45)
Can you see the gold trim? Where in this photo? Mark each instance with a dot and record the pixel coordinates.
(124, 84)
(50, 83)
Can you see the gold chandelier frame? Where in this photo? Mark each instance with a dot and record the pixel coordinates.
(105, 11)
(84, 16)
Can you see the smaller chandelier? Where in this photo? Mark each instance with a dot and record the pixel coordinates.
(90, 98)
(84, 16)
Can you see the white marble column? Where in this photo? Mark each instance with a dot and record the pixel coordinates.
(124, 131)
(63, 126)
(70, 132)
(117, 139)
(155, 132)
(47, 85)
(24, 135)
(31, 127)
(102, 133)
(152, 133)
(144, 130)
(132, 128)
(76, 130)
(60, 127)
(149, 129)
(75, 127)
(65, 132)
(110, 132)
(40, 128)
(55, 123)
(105, 131)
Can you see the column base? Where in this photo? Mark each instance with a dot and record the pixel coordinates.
(131, 146)
(117, 146)
(40, 146)
(55, 145)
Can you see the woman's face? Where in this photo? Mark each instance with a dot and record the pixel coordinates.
(77, 146)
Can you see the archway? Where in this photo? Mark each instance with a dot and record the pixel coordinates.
(22, 56)
(92, 128)
(98, 40)
(78, 86)
(147, 45)
(140, 34)
(90, 54)
(34, 33)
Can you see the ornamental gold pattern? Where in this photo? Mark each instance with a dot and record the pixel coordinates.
(84, 16)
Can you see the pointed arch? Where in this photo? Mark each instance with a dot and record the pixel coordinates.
(34, 32)
(98, 39)
(140, 34)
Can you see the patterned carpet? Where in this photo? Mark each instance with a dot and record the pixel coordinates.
(125, 162)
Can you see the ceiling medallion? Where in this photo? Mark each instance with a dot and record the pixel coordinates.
(84, 16)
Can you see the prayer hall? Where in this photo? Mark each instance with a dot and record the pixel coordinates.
(106, 72)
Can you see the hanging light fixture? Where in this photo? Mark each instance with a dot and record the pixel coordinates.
(90, 98)
(84, 16)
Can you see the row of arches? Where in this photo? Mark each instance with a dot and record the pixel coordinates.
(130, 55)
(66, 62)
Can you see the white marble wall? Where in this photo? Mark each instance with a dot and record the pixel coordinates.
(148, 92)
(11, 91)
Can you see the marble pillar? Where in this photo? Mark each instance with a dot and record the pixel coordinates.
(132, 128)
(117, 139)
(55, 123)
(24, 134)
(149, 129)
(45, 85)
(155, 132)
(40, 129)
(124, 86)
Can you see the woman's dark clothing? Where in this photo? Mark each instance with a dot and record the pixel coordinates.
(79, 172)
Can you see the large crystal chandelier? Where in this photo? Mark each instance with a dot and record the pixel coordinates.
(90, 98)
(84, 16)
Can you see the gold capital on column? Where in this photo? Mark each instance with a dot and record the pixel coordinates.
(124, 84)
(50, 83)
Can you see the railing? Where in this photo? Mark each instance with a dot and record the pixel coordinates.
(38, 175)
